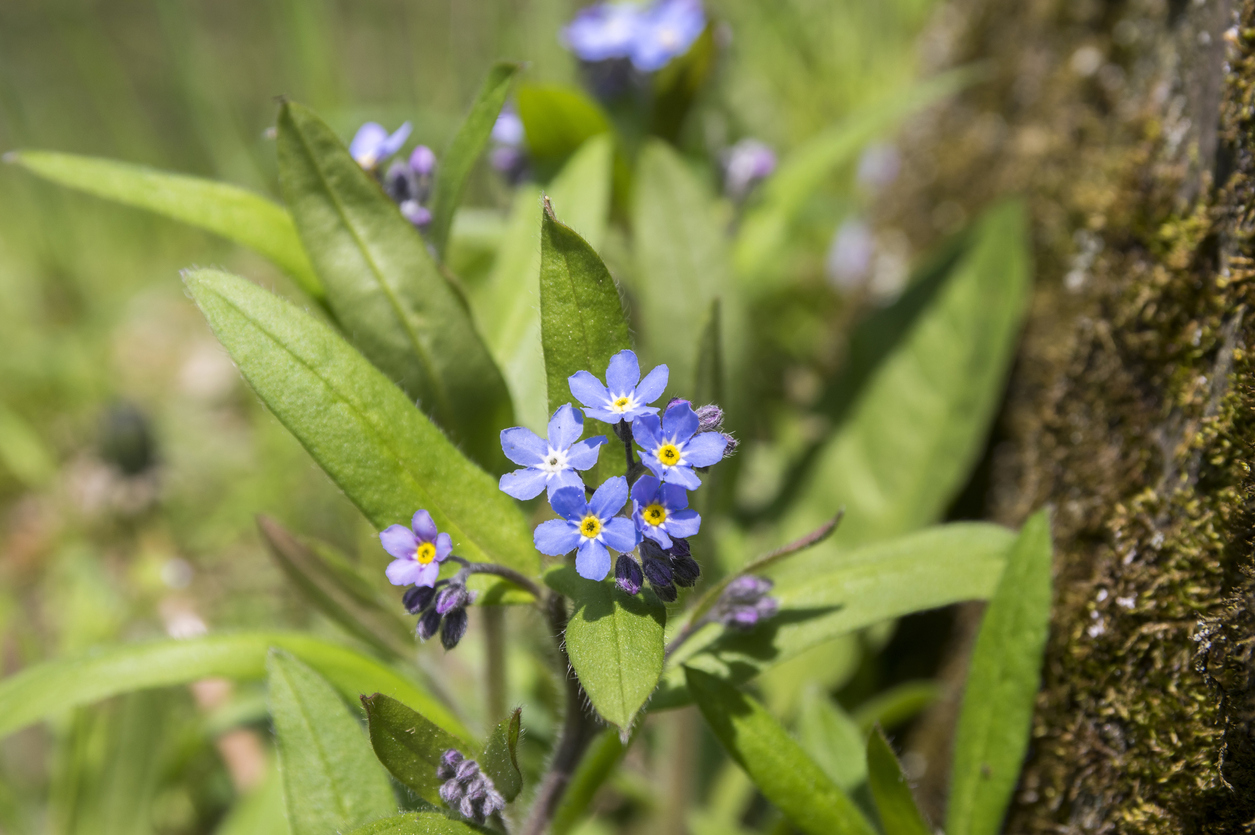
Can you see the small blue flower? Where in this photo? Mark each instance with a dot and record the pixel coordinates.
(661, 511)
(604, 31)
(508, 129)
(671, 449)
(590, 526)
(622, 398)
(666, 30)
(548, 464)
(418, 551)
(745, 165)
(372, 144)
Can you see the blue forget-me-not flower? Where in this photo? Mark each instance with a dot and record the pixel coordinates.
(548, 464)
(603, 31)
(667, 30)
(625, 396)
(672, 447)
(418, 551)
(589, 526)
(661, 511)
(372, 144)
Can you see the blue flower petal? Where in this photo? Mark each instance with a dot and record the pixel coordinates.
(674, 497)
(523, 446)
(610, 497)
(366, 143)
(399, 541)
(444, 547)
(593, 560)
(705, 450)
(424, 526)
(556, 537)
(427, 575)
(569, 503)
(680, 422)
(620, 534)
(683, 476)
(566, 478)
(524, 484)
(588, 390)
(657, 533)
(623, 373)
(655, 466)
(652, 387)
(646, 430)
(403, 572)
(645, 490)
(583, 455)
(683, 523)
(604, 415)
(565, 427)
(393, 143)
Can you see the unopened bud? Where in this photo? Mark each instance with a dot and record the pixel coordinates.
(627, 575)
(453, 629)
(428, 624)
(422, 161)
(418, 598)
(709, 418)
(667, 593)
(685, 571)
(452, 597)
(732, 444)
(658, 572)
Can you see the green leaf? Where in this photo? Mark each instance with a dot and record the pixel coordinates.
(260, 812)
(333, 585)
(498, 759)
(832, 739)
(331, 781)
(919, 423)
(230, 211)
(557, 119)
(56, 686)
(857, 588)
(996, 717)
(460, 156)
(710, 381)
(677, 85)
(420, 823)
(897, 705)
(23, 452)
(386, 291)
(386, 456)
(898, 813)
(604, 754)
(408, 744)
(614, 641)
(507, 304)
(774, 761)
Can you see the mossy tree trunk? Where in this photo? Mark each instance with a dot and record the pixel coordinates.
(1128, 126)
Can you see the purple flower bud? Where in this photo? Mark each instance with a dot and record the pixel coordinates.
(748, 588)
(685, 571)
(745, 603)
(673, 401)
(466, 788)
(422, 161)
(510, 163)
(453, 629)
(745, 165)
(428, 624)
(658, 572)
(449, 762)
(709, 418)
(451, 597)
(667, 593)
(416, 213)
(418, 598)
(627, 575)
(679, 547)
(508, 129)
(399, 183)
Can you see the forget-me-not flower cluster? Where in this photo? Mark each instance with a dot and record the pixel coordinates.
(647, 36)
(409, 181)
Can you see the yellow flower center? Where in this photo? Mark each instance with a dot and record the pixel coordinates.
(668, 455)
(426, 553)
(622, 403)
(655, 514)
(591, 526)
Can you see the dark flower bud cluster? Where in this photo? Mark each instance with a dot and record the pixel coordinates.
(441, 608)
(407, 182)
(664, 568)
(467, 789)
(745, 603)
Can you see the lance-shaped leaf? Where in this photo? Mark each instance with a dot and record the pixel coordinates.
(408, 744)
(614, 641)
(385, 289)
(333, 585)
(460, 156)
(833, 740)
(234, 213)
(898, 813)
(774, 761)
(498, 759)
(331, 781)
(384, 453)
(54, 687)
(996, 717)
(860, 587)
(421, 823)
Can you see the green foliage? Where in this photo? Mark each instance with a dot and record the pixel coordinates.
(419, 823)
(778, 766)
(499, 759)
(996, 717)
(898, 813)
(408, 744)
(330, 778)
(604, 755)
(833, 740)
(614, 642)
(385, 289)
(385, 455)
(557, 120)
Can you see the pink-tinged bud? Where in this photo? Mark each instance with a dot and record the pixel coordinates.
(627, 575)
(423, 161)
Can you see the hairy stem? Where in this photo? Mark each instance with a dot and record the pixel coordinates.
(505, 573)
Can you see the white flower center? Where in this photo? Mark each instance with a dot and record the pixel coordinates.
(554, 461)
(623, 403)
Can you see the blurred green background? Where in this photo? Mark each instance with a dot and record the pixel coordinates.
(132, 458)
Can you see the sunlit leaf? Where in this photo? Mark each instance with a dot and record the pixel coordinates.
(774, 761)
(420, 823)
(557, 120)
(331, 780)
(499, 759)
(995, 720)
(386, 456)
(898, 813)
(260, 812)
(832, 739)
(614, 641)
(230, 211)
(385, 289)
(408, 744)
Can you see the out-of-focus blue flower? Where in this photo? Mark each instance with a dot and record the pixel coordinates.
(672, 447)
(372, 144)
(508, 129)
(621, 398)
(548, 464)
(849, 261)
(423, 161)
(661, 511)
(604, 31)
(591, 526)
(508, 156)
(667, 29)
(878, 167)
(418, 549)
(745, 165)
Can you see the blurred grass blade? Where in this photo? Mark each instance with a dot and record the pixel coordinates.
(386, 291)
(507, 304)
(896, 705)
(333, 586)
(833, 740)
(420, 823)
(582, 321)
(234, 213)
(557, 120)
(22, 452)
(614, 641)
(331, 780)
(918, 425)
(409, 745)
(603, 756)
(898, 813)
(386, 456)
(499, 759)
(677, 85)
(53, 687)
(467, 145)
(858, 588)
(260, 812)
(996, 717)
(778, 766)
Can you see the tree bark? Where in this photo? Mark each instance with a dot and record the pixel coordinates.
(1128, 127)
